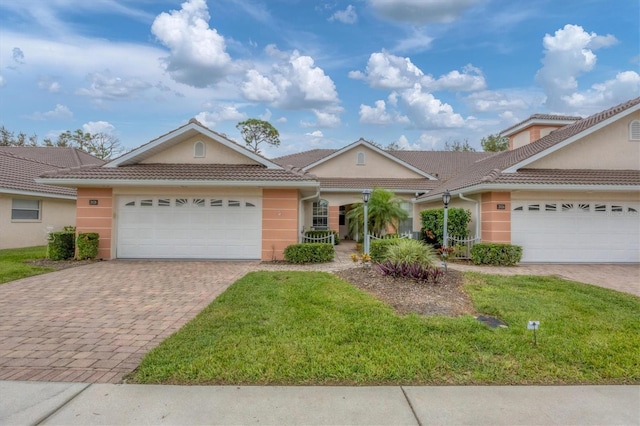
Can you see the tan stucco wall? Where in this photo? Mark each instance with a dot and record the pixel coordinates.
(606, 149)
(376, 165)
(215, 153)
(496, 224)
(529, 135)
(54, 215)
(279, 222)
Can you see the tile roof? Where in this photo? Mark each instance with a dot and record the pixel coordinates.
(568, 177)
(20, 165)
(187, 172)
(561, 119)
(357, 184)
(490, 170)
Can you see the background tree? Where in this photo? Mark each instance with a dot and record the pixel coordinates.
(384, 211)
(458, 146)
(104, 145)
(255, 132)
(9, 138)
(494, 143)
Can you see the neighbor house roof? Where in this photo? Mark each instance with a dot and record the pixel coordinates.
(540, 119)
(509, 167)
(20, 166)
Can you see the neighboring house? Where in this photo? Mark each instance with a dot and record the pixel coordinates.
(568, 190)
(29, 210)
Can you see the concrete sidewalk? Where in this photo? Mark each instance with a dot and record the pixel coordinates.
(24, 403)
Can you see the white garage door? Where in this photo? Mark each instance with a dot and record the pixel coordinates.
(576, 232)
(189, 227)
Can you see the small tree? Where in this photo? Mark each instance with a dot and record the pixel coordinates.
(255, 132)
(384, 210)
(494, 143)
(458, 146)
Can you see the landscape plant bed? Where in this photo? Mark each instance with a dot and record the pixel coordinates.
(313, 328)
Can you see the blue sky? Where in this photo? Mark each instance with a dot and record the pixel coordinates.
(419, 73)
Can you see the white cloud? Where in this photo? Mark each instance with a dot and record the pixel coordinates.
(417, 41)
(50, 85)
(375, 115)
(104, 86)
(470, 79)
(2, 81)
(327, 119)
(426, 112)
(60, 112)
(611, 92)
(95, 127)
(421, 11)
(293, 82)
(428, 141)
(347, 16)
(403, 143)
(387, 71)
(211, 119)
(567, 55)
(315, 134)
(198, 53)
(495, 101)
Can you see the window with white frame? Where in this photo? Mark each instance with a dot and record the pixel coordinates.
(634, 130)
(320, 215)
(23, 209)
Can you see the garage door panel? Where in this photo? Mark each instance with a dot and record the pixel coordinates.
(577, 232)
(189, 227)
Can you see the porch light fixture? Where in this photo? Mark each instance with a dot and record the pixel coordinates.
(446, 198)
(366, 194)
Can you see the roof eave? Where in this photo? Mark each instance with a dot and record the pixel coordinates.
(36, 194)
(78, 183)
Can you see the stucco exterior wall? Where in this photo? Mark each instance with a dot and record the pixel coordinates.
(606, 149)
(215, 153)
(376, 165)
(496, 223)
(97, 218)
(279, 221)
(54, 215)
(530, 134)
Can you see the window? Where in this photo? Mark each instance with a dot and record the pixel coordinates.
(320, 215)
(360, 159)
(233, 203)
(146, 203)
(216, 202)
(25, 209)
(164, 202)
(198, 149)
(634, 130)
(550, 207)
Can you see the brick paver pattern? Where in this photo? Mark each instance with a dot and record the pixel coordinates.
(94, 323)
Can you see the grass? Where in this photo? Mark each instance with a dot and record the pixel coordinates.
(299, 328)
(12, 266)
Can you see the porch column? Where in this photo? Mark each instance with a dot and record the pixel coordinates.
(334, 218)
(96, 216)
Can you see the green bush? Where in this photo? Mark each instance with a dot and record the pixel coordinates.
(61, 245)
(406, 251)
(87, 244)
(378, 248)
(433, 224)
(318, 233)
(496, 254)
(309, 253)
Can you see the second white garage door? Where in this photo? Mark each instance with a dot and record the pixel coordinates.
(576, 232)
(152, 227)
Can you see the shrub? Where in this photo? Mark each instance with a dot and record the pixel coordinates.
(433, 224)
(378, 248)
(408, 252)
(61, 245)
(318, 233)
(496, 254)
(87, 244)
(309, 253)
(415, 271)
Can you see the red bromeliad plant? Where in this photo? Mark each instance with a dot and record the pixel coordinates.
(414, 271)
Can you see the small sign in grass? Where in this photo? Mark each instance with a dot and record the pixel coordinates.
(307, 328)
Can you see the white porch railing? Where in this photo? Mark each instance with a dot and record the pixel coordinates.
(461, 247)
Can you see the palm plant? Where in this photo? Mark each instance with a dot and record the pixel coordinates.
(384, 211)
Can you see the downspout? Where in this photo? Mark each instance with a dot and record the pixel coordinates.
(477, 203)
(300, 210)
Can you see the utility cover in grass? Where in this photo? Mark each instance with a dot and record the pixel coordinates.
(491, 321)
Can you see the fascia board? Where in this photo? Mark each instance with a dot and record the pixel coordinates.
(514, 168)
(36, 194)
(359, 191)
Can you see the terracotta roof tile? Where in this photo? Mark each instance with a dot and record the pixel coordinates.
(18, 174)
(205, 172)
(571, 177)
(55, 156)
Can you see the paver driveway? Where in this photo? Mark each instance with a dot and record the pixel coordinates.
(95, 323)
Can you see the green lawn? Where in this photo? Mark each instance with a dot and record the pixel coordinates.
(12, 266)
(298, 328)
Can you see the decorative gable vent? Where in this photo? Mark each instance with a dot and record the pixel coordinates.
(198, 149)
(360, 158)
(634, 130)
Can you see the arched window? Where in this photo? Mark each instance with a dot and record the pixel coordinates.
(198, 149)
(360, 159)
(634, 130)
(320, 215)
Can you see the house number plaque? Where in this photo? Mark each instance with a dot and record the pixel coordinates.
(93, 202)
(501, 206)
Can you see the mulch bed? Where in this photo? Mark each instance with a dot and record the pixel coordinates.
(406, 296)
(61, 264)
